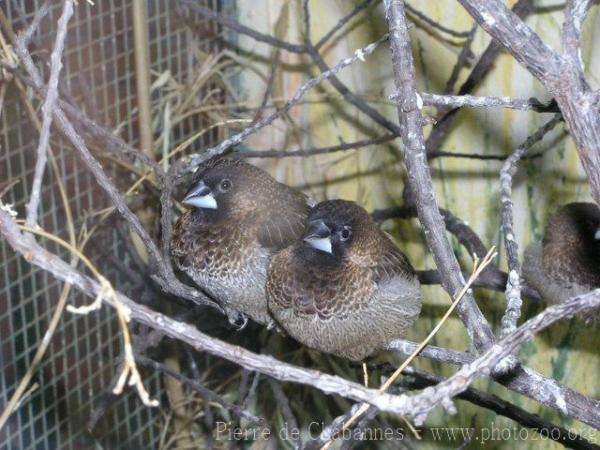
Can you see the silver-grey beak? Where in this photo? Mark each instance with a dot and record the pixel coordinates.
(318, 235)
(199, 195)
(597, 235)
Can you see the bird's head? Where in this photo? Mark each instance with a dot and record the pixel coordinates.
(338, 229)
(574, 224)
(228, 188)
(572, 240)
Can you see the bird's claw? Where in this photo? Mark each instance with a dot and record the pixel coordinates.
(237, 320)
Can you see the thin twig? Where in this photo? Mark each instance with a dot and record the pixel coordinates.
(429, 21)
(290, 421)
(521, 8)
(200, 388)
(463, 59)
(238, 27)
(343, 21)
(193, 160)
(513, 285)
(303, 152)
(471, 101)
(47, 109)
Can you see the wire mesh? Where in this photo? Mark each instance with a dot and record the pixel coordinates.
(79, 365)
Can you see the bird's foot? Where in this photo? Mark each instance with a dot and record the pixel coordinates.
(237, 319)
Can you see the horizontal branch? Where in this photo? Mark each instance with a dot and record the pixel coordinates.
(303, 152)
(544, 390)
(419, 379)
(406, 348)
(472, 101)
(189, 334)
(493, 279)
(343, 21)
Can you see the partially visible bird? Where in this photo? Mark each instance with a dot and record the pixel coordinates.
(238, 217)
(344, 287)
(567, 261)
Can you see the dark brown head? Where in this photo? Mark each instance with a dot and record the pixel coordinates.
(337, 230)
(231, 188)
(572, 243)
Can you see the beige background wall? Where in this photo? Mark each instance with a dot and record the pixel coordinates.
(469, 188)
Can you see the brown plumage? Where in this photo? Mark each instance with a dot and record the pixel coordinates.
(567, 262)
(344, 287)
(238, 217)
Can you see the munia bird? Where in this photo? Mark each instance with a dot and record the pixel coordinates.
(238, 217)
(343, 287)
(567, 261)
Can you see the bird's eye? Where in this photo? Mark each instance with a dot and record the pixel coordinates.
(225, 185)
(345, 234)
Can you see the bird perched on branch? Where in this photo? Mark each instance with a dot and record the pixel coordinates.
(343, 287)
(567, 262)
(238, 217)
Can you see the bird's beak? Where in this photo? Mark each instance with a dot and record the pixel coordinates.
(318, 235)
(597, 235)
(200, 196)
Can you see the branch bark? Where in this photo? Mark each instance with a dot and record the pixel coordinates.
(513, 284)
(47, 110)
(560, 75)
(526, 381)
(419, 176)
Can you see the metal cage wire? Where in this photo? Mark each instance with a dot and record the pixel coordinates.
(80, 362)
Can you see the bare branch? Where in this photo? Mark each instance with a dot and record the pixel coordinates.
(238, 27)
(429, 21)
(330, 431)
(575, 14)
(492, 279)
(513, 285)
(557, 74)
(286, 411)
(359, 54)
(47, 109)
(506, 27)
(525, 381)
(521, 8)
(167, 279)
(462, 60)
(461, 101)
(419, 176)
(349, 96)
(303, 152)
(407, 348)
(200, 388)
(482, 366)
(343, 21)
(419, 379)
